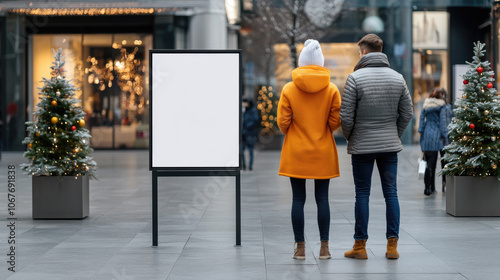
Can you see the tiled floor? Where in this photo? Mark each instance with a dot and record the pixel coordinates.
(197, 229)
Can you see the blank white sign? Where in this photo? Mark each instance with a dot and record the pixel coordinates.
(195, 110)
(458, 88)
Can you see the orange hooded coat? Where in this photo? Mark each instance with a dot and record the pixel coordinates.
(308, 113)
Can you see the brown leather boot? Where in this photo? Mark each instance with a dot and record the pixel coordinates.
(358, 250)
(392, 246)
(300, 251)
(324, 251)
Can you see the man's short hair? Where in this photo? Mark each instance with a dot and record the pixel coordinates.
(371, 43)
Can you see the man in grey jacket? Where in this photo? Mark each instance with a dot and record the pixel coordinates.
(376, 109)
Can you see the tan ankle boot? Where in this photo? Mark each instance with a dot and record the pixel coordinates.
(358, 250)
(324, 251)
(300, 251)
(392, 246)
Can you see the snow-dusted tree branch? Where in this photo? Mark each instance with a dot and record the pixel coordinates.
(285, 21)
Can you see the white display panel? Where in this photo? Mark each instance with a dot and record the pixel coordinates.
(458, 86)
(195, 109)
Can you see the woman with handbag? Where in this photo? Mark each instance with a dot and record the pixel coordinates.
(308, 113)
(433, 134)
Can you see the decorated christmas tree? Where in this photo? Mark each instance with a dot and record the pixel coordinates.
(58, 142)
(475, 131)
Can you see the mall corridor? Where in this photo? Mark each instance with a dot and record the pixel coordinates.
(197, 229)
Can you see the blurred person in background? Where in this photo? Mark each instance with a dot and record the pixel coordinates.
(308, 113)
(433, 129)
(250, 131)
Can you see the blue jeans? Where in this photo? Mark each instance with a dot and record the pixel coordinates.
(362, 169)
(322, 203)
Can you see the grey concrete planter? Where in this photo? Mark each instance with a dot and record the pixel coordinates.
(468, 196)
(60, 198)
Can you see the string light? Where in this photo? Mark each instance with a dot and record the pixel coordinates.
(89, 11)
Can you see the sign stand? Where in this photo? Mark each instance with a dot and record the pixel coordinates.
(195, 119)
(160, 173)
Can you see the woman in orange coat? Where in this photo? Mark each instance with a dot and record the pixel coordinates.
(308, 113)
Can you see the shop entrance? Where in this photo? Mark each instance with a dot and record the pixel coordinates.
(110, 72)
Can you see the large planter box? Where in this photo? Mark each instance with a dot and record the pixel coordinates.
(65, 197)
(471, 196)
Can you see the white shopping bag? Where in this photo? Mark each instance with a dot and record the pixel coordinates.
(422, 165)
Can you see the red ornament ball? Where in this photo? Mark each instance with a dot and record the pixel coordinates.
(466, 82)
(479, 69)
(472, 126)
(73, 128)
(490, 85)
(493, 76)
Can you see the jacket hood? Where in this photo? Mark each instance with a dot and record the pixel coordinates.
(374, 59)
(431, 102)
(311, 78)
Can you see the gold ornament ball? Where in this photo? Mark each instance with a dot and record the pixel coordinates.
(76, 150)
(81, 123)
(493, 138)
(58, 93)
(494, 166)
(54, 120)
(29, 145)
(37, 134)
(53, 103)
(486, 112)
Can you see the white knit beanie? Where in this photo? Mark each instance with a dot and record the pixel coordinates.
(311, 54)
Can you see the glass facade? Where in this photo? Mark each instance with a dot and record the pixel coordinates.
(107, 59)
(391, 20)
(107, 56)
(12, 74)
(110, 72)
(430, 58)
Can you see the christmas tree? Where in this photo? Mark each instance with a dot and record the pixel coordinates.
(475, 131)
(58, 142)
(267, 104)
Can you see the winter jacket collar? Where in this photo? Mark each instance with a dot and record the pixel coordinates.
(311, 78)
(374, 59)
(433, 103)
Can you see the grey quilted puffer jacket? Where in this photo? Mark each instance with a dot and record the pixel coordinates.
(376, 107)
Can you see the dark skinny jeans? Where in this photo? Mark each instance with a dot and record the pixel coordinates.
(322, 203)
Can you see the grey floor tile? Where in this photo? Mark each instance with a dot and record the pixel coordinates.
(197, 229)
(24, 275)
(393, 277)
(208, 266)
(299, 271)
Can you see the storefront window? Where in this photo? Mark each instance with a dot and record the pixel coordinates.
(111, 74)
(430, 59)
